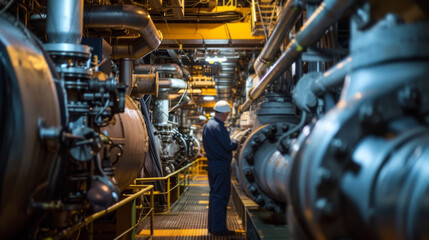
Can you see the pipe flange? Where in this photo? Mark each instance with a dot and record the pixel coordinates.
(68, 50)
(335, 161)
(75, 72)
(260, 144)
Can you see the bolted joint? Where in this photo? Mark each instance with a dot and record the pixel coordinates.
(325, 208)
(410, 98)
(370, 116)
(269, 131)
(326, 181)
(269, 206)
(260, 200)
(249, 175)
(284, 146)
(252, 189)
(339, 149)
(285, 127)
(249, 157)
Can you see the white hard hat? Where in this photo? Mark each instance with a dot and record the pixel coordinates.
(222, 106)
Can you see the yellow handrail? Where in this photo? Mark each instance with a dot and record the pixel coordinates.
(93, 217)
(195, 165)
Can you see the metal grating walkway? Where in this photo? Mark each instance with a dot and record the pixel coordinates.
(188, 217)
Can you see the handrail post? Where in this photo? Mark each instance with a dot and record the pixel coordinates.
(152, 213)
(178, 186)
(168, 195)
(133, 220)
(198, 167)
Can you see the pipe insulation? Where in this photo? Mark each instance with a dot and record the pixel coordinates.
(326, 14)
(145, 84)
(125, 16)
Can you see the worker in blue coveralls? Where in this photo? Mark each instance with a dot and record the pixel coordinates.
(218, 147)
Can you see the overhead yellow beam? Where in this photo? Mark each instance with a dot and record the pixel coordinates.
(207, 31)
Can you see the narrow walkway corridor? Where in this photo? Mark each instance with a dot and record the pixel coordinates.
(188, 217)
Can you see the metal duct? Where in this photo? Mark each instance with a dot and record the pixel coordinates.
(125, 73)
(327, 14)
(161, 109)
(64, 21)
(151, 84)
(170, 84)
(161, 68)
(125, 16)
(286, 20)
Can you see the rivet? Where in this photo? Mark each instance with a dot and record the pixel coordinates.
(249, 175)
(260, 200)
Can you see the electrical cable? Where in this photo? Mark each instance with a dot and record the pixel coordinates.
(293, 130)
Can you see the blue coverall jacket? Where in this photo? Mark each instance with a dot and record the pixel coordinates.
(218, 147)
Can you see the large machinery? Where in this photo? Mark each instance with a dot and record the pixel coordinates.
(334, 120)
(354, 170)
(73, 138)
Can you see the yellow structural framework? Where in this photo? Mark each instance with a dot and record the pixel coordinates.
(208, 31)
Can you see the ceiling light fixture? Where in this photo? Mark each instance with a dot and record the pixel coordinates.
(215, 59)
(208, 98)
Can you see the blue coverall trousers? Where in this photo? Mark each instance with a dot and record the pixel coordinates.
(220, 190)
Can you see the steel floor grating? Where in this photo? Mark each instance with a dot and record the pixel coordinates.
(188, 217)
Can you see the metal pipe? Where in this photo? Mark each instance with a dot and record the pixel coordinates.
(64, 21)
(286, 20)
(326, 14)
(126, 73)
(161, 68)
(271, 174)
(160, 111)
(202, 84)
(125, 16)
(333, 77)
(171, 84)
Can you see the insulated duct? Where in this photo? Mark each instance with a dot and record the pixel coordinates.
(145, 84)
(328, 13)
(125, 16)
(64, 21)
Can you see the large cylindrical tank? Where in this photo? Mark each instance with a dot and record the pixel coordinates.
(128, 130)
(28, 100)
